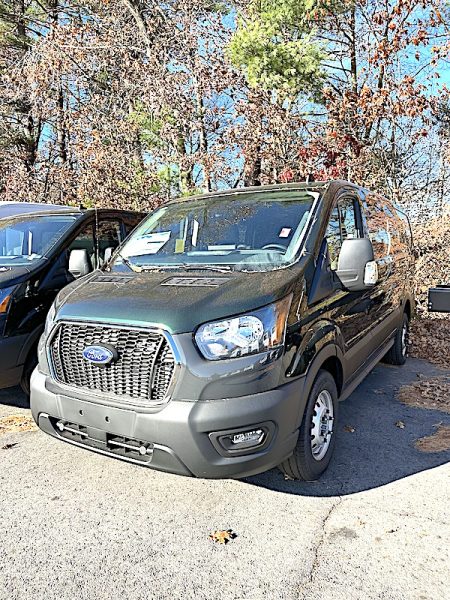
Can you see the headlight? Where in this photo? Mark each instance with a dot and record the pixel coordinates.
(5, 299)
(42, 356)
(257, 331)
(50, 319)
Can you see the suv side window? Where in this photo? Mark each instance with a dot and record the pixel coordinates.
(85, 241)
(343, 225)
(109, 236)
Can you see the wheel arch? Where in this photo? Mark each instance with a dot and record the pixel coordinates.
(329, 358)
(408, 309)
(31, 343)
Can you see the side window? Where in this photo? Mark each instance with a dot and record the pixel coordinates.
(84, 241)
(378, 218)
(82, 252)
(404, 230)
(109, 237)
(343, 225)
(131, 223)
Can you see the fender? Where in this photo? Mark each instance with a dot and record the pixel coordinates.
(323, 333)
(307, 381)
(321, 342)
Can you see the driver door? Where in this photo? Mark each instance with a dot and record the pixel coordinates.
(353, 311)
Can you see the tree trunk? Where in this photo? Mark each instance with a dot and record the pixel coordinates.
(185, 171)
(253, 168)
(203, 142)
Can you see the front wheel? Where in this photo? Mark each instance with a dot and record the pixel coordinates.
(398, 353)
(316, 438)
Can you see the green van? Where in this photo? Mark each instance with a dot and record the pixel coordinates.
(219, 338)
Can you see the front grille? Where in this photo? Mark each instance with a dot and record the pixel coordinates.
(142, 372)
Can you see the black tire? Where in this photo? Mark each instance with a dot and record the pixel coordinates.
(398, 354)
(303, 464)
(28, 368)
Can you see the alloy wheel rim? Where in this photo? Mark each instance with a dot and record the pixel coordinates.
(322, 424)
(404, 339)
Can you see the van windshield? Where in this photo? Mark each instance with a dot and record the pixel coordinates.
(24, 239)
(254, 231)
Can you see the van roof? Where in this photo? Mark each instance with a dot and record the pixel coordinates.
(301, 185)
(10, 209)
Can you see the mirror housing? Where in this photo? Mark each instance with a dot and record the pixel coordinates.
(57, 276)
(357, 270)
(79, 263)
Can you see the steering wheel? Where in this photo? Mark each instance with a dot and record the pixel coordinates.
(274, 247)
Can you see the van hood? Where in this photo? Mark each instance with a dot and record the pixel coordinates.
(176, 301)
(13, 275)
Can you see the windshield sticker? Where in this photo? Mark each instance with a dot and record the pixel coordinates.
(179, 246)
(195, 227)
(285, 232)
(148, 244)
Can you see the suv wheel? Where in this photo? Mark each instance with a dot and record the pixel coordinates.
(398, 353)
(316, 437)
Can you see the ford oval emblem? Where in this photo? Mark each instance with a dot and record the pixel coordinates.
(99, 355)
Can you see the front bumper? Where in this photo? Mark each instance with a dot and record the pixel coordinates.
(178, 437)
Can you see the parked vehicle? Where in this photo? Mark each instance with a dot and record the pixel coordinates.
(42, 249)
(221, 335)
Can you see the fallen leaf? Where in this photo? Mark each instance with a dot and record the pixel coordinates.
(9, 446)
(17, 423)
(349, 428)
(223, 536)
(400, 425)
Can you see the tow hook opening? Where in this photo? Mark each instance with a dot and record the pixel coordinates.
(125, 447)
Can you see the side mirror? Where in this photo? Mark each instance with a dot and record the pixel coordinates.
(357, 269)
(79, 263)
(439, 299)
(57, 276)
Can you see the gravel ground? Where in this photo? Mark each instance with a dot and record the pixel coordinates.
(74, 524)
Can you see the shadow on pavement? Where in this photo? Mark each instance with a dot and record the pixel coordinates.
(14, 397)
(378, 452)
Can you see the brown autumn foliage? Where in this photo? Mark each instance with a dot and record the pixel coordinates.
(430, 332)
(430, 393)
(17, 423)
(129, 102)
(439, 441)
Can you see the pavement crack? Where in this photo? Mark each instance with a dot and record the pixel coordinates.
(315, 563)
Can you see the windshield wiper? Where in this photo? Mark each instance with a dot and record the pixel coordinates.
(128, 263)
(219, 268)
(186, 267)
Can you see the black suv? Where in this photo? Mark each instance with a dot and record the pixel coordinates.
(219, 338)
(42, 249)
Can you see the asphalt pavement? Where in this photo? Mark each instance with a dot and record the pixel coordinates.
(74, 524)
